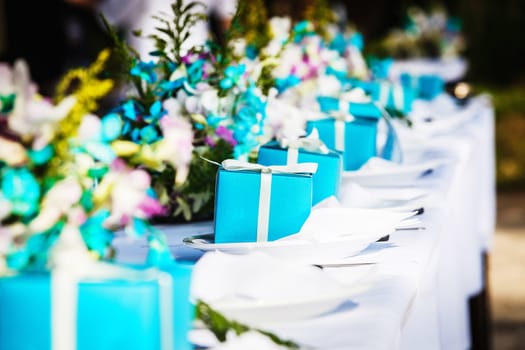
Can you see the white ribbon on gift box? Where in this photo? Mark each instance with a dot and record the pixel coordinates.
(310, 143)
(265, 187)
(398, 95)
(340, 117)
(71, 263)
(343, 115)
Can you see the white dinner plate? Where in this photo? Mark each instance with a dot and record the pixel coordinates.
(295, 308)
(295, 249)
(260, 312)
(392, 176)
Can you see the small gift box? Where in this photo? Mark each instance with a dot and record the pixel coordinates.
(426, 86)
(256, 203)
(143, 309)
(350, 127)
(392, 96)
(326, 180)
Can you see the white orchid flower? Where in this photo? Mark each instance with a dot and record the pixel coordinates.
(328, 85)
(36, 118)
(89, 129)
(57, 202)
(128, 191)
(12, 152)
(283, 120)
(176, 147)
(280, 27)
(5, 208)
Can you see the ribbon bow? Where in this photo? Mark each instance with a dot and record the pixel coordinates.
(311, 143)
(239, 165)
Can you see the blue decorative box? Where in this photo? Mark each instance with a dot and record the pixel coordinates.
(426, 86)
(249, 209)
(392, 96)
(356, 136)
(111, 314)
(326, 180)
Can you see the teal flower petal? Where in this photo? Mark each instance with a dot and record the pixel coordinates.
(41, 156)
(100, 151)
(97, 238)
(112, 126)
(20, 187)
(149, 134)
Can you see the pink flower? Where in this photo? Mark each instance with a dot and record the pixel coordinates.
(176, 147)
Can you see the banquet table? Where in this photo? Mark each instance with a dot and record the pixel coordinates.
(418, 292)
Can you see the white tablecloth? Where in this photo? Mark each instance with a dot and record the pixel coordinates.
(419, 294)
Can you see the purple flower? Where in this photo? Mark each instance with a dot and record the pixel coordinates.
(226, 134)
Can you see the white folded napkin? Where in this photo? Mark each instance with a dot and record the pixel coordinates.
(378, 172)
(354, 195)
(257, 276)
(339, 223)
(443, 115)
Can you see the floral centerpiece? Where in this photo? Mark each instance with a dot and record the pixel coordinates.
(185, 105)
(66, 195)
(58, 173)
(317, 58)
(425, 34)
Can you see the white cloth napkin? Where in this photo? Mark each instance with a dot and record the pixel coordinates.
(443, 115)
(257, 276)
(379, 172)
(338, 223)
(354, 195)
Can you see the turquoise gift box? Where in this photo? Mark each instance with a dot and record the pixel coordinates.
(326, 180)
(248, 211)
(359, 137)
(392, 96)
(426, 86)
(111, 313)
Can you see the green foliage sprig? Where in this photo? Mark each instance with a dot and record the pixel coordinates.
(177, 31)
(220, 326)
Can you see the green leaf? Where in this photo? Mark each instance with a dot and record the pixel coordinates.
(220, 325)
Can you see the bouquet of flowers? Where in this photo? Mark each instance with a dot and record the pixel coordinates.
(426, 34)
(60, 176)
(185, 105)
(319, 59)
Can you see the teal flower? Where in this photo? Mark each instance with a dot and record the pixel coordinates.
(22, 190)
(34, 254)
(232, 76)
(112, 125)
(145, 71)
(155, 112)
(129, 109)
(96, 236)
(41, 156)
(283, 84)
(357, 41)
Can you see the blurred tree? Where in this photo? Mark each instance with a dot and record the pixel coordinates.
(53, 36)
(494, 31)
